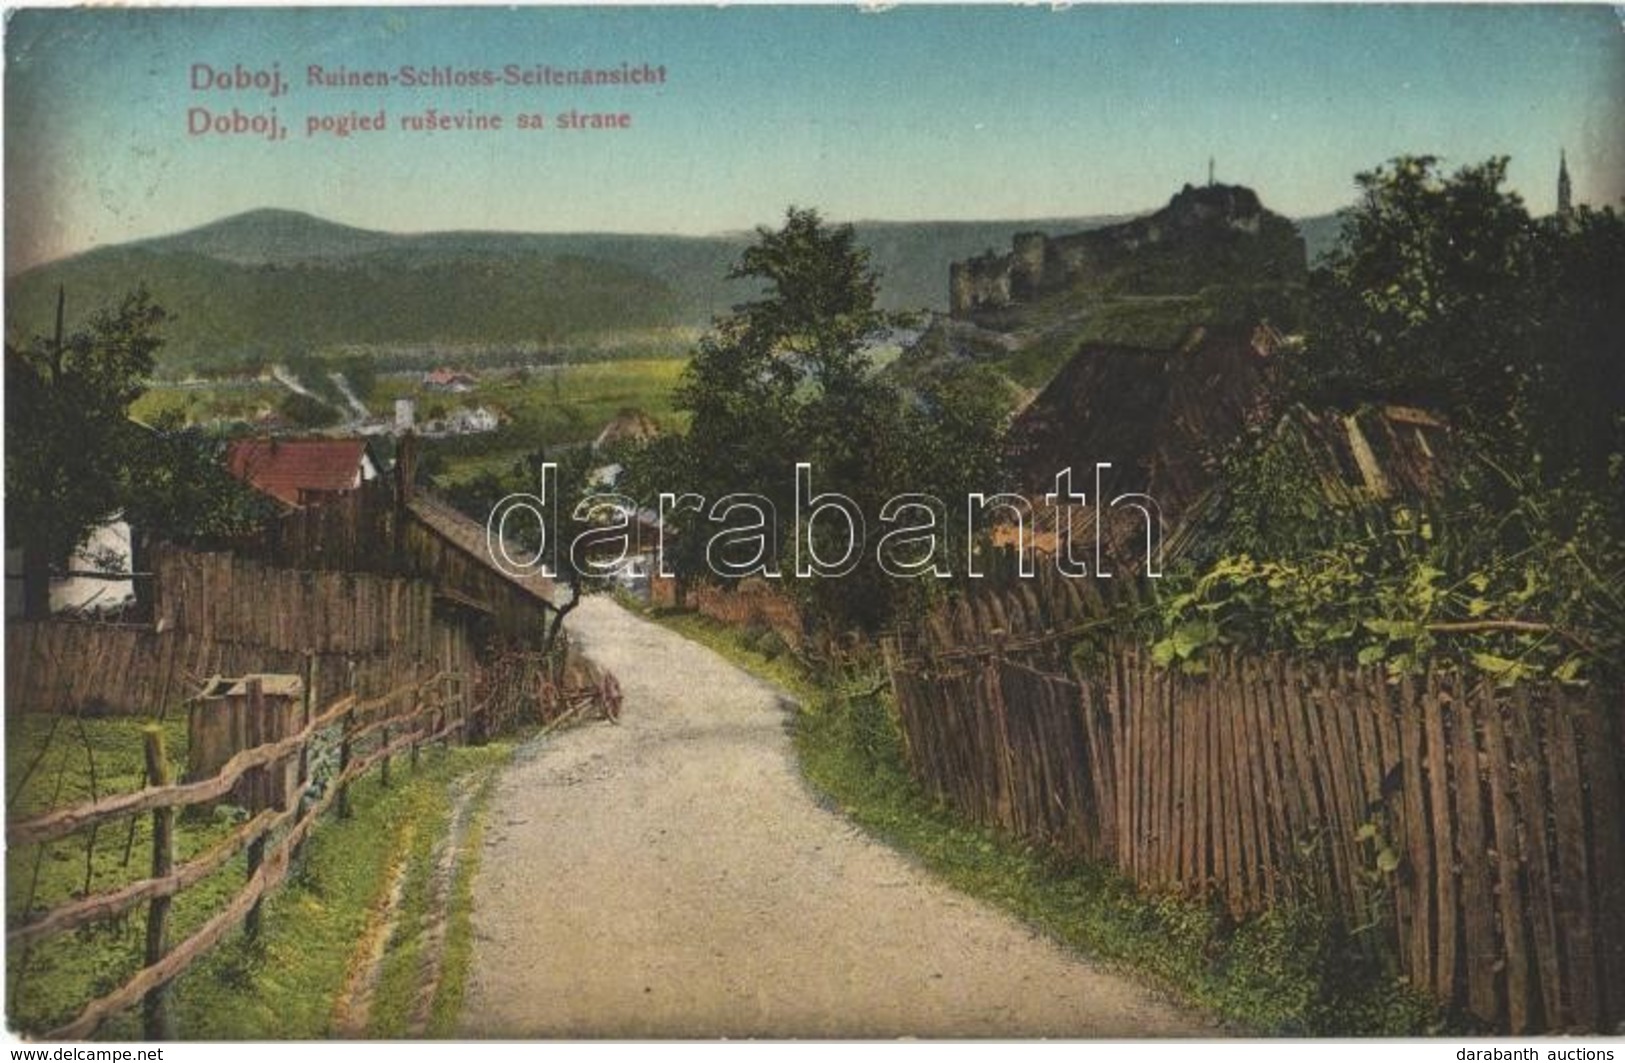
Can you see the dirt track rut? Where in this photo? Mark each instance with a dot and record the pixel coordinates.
(674, 877)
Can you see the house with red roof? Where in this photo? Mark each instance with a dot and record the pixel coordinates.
(448, 379)
(302, 472)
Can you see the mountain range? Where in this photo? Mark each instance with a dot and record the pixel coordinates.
(269, 284)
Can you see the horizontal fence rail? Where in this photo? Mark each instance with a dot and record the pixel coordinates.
(371, 731)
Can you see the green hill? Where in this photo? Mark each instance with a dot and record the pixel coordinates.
(227, 314)
(273, 284)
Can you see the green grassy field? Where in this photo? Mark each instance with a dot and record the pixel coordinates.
(539, 407)
(207, 402)
(545, 409)
(285, 984)
(54, 762)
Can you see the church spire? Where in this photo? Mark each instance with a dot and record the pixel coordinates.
(1565, 191)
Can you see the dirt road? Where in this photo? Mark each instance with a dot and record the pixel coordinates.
(674, 877)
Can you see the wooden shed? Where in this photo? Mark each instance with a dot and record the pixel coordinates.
(230, 715)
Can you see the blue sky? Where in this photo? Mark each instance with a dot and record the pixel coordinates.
(911, 113)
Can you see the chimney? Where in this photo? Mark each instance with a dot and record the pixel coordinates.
(406, 466)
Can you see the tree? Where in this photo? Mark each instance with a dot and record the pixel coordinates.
(1444, 292)
(1424, 298)
(176, 489)
(68, 437)
(75, 460)
(787, 379)
(307, 411)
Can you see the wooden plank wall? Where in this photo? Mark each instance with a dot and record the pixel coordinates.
(1251, 785)
(219, 613)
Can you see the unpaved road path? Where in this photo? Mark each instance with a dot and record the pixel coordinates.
(674, 877)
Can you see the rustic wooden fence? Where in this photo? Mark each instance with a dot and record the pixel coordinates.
(748, 604)
(221, 613)
(368, 733)
(1482, 831)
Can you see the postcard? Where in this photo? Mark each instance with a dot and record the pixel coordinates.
(1100, 522)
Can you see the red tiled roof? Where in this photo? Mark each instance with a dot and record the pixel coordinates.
(290, 470)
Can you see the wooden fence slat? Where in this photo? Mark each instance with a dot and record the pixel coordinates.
(1122, 727)
(1537, 855)
(1173, 816)
(1173, 842)
(1097, 782)
(1374, 695)
(1572, 891)
(1510, 899)
(1445, 862)
(1154, 695)
(1189, 797)
(1130, 778)
(1472, 843)
(1241, 789)
(1603, 732)
(1338, 832)
(1230, 795)
(1415, 833)
(1269, 824)
(1294, 779)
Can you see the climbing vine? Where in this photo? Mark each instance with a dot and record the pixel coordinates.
(1532, 597)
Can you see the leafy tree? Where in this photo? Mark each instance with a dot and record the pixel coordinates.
(307, 412)
(786, 378)
(68, 439)
(74, 459)
(176, 489)
(1444, 292)
(1423, 300)
(1574, 393)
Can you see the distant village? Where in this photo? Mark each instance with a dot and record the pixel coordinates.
(446, 419)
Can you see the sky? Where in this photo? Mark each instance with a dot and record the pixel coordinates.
(911, 113)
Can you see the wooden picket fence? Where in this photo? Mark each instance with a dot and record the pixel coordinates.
(369, 733)
(1482, 831)
(218, 613)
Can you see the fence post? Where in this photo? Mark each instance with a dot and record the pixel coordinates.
(310, 703)
(157, 1022)
(344, 751)
(256, 857)
(344, 764)
(419, 707)
(256, 784)
(259, 792)
(383, 772)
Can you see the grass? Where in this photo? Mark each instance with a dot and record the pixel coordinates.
(1151, 322)
(286, 986)
(283, 986)
(541, 407)
(1289, 972)
(198, 403)
(49, 763)
(459, 947)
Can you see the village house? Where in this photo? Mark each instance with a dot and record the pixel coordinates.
(302, 472)
(455, 381)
